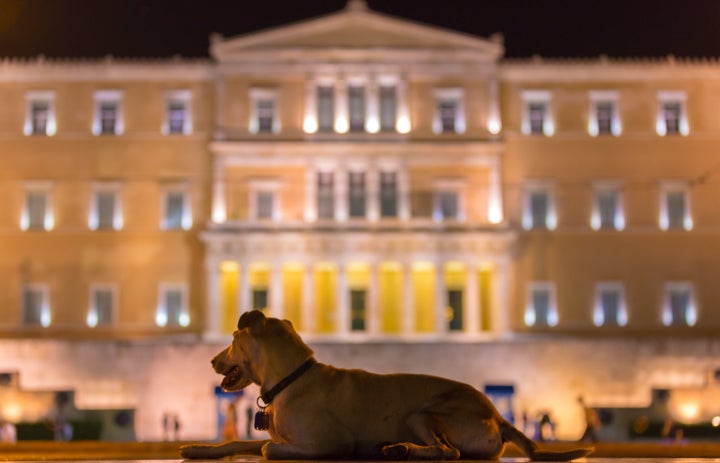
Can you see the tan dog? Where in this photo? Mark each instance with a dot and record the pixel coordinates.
(322, 412)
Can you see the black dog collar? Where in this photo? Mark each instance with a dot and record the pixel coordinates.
(268, 396)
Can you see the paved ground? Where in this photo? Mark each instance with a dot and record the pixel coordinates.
(104, 451)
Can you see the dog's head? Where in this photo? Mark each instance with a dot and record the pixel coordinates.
(259, 344)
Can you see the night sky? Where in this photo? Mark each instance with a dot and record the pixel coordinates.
(551, 28)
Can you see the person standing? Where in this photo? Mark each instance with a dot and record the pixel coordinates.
(592, 422)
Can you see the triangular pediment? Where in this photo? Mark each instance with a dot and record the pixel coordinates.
(355, 28)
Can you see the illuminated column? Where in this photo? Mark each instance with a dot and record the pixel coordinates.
(402, 124)
(343, 314)
(341, 194)
(308, 299)
(494, 123)
(499, 300)
(495, 207)
(373, 194)
(372, 300)
(471, 301)
(404, 194)
(245, 290)
(372, 102)
(219, 212)
(342, 123)
(310, 122)
(441, 325)
(220, 108)
(276, 290)
(212, 314)
(310, 194)
(408, 315)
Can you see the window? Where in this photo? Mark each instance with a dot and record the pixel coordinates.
(537, 114)
(36, 305)
(675, 207)
(108, 117)
(539, 208)
(105, 210)
(447, 206)
(541, 309)
(259, 298)
(358, 309)
(40, 117)
(37, 213)
(172, 308)
(265, 200)
(176, 213)
(609, 307)
(449, 111)
(102, 306)
(178, 115)
(679, 308)
(356, 108)
(388, 108)
(455, 309)
(388, 194)
(607, 213)
(357, 194)
(672, 115)
(326, 195)
(326, 108)
(604, 118)
(264, 111)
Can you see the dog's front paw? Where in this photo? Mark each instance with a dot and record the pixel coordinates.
(199, 452)
(396, 452)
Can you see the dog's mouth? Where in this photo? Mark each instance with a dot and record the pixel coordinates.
(232, 378)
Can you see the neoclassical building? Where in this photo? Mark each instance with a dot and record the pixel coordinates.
(403, 194)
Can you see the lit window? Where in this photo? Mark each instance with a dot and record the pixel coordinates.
(447, 206)
(108, 117)
(37, 213)
(449, 111)
(176, 211)
(604, 117)
(539, 208)
(265, 200)
(36, 305)
(541, 308)
(172, 308)
(672, 114)
(264, 111)
(326, 108)
(102, 306)
(388, 108)
(388, 194)
(325, 195)
(259, 298)
(607, 213)
(356, 108)
(178, 115)
(106, 210)
(610, 304)
(454, 317)
(537, 118)
(675, 206)
(357, 194)
(40, 116)
(679, 307)
(358, 309)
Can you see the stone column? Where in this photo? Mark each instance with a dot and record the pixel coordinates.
(372, 301)
(310, 121)
(212, 313)
(276, 291)
(373, 194)
(308, 299)
(340, 179)
(219, 211)
(245, 294)
(441, 324)
(471, 302)
(343, 305)
(408, 315)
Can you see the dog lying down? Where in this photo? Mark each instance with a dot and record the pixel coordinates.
(317, 411)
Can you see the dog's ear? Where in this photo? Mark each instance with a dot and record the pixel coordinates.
(252, 319)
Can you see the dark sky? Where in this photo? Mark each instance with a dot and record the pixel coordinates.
(552, 28)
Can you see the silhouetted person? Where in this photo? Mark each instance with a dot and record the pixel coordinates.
(592, 422)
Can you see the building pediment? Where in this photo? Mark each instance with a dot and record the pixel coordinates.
(354, 29)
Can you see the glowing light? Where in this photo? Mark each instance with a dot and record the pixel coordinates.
(49, 220)
(689, 411)
(161, 317)
(529, 316)
(372, 125)
(219, 214)
(691, 315)
(598, 315)
(24, 219)
(688, 222)
(184, 319)
(12, 411)
(310, 124)
(495, 214)
(494, 125)
(403, 124)
(45, 317)
(553, 317)
(341, 124)
(92, 318)
(548, 127)
(228, 266)
(715, 421)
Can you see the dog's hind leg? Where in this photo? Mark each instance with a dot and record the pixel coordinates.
(433, 444)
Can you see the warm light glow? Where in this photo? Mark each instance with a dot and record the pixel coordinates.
(715, 421)
(229, 266)
(494, 125)
(341, 124)
(495, 215)
(12, 411)
(184, 319)
(689, 411)
(310, 124)
(403, 124)
(372, 124)
(161, 318)
(219, 215)
(529, 315)
(45, 317)
(24, 219)
(92, 318)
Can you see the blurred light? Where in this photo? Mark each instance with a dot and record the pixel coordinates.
(161, 318)
(184, 319)
(493, 125)
(341, 124)
(689, 411)
(372, 125)
(92, 318)
(310, 124)
(715, 421)
(403, 124)
(229, 266)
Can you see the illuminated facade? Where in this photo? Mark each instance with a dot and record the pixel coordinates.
(385, 185)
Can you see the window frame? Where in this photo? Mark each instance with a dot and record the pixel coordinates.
(528, 221)
(664, 219)
(599, 310)
(92, 319)
(604, 96)
(44, 188)
(537, 96)
(185, 98)
(607, 186)
(531, 315)
(672, 96)
(162, 319)
(691, 311)
(186, 220)
(106, 96)
(258, 186)
(45, 316)
(94, 214)
(29, 127)
(457, 96)
(257, 95)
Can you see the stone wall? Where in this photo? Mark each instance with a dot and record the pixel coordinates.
(175, 376)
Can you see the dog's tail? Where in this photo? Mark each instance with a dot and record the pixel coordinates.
(217, 451)
(511, 434)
